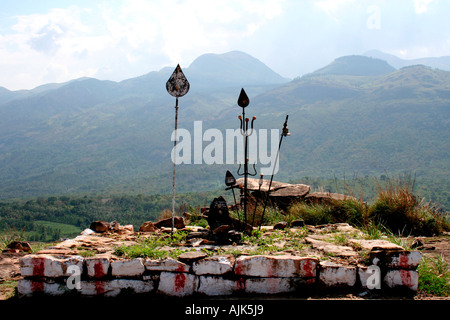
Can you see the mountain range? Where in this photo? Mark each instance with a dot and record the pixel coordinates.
(359, 115)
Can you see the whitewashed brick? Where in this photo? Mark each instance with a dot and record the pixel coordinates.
(216, 265)
(34, 265)
(331, 275)
(127, 268)
(177, 284)
(402, 279)
(284, 266)
(27, 287)
(218, 286)
(97, 267)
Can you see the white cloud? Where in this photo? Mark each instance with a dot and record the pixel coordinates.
(421, 6)
(124, 39)
(331, 7)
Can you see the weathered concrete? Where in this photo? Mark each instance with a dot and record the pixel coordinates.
(216, 265)
(335, 275)
(219, 286)
(127, 268)
(396, 259)
(177, 284)
(34, 265)
(405, 279)
(275, 266)
(115, 287)
(97, 267)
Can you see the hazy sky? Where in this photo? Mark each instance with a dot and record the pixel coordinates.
(56, 41)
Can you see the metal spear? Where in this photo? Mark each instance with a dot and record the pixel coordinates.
(177, 86)
(284, 133)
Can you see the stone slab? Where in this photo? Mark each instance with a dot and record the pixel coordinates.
(97, 267)
(341, 251)
(408, 279)
(29, 287)
(127, 268)
(396, 259)
(335, 275)
(275, 285)
(371, 245)
(168, 264)
(285, 266)
(216, 265)
(115, 287)
(218, 286)
(177, 284)
(34, 265)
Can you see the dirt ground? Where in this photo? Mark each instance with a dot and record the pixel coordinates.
(9, 273)
(436, 246)
(433, 247)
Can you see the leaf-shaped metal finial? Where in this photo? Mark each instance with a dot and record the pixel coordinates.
(230, 180)
(243, 99)
(177, 85)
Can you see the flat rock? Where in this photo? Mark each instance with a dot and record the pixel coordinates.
(372, 245)
(277, 189)
(191, 256)
(337, 250)
(168, 264)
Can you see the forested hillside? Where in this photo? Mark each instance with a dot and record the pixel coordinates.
(355, 117)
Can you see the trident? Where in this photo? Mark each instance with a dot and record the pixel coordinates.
(243, 101)
(177, 86)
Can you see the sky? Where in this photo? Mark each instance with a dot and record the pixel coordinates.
(49, 41)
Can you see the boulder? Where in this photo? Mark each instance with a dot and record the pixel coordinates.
(167, 223)
(280, 225)
(297, 223)
(20, 245)
(278, 189)
(147, 226)
(221, 230)
(100, 226)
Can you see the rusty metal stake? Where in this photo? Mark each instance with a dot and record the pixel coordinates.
(284, 133)
(177, 86)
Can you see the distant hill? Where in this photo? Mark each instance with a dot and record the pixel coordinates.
(356, 66)
(356, 116)
(442, 63)
(231, 68)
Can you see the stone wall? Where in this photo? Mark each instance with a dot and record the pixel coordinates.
(212, 276)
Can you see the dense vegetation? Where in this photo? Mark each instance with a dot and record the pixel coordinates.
(46, 219)
(388, 202)
(102, 137)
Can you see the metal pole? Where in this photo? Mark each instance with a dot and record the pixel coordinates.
(177, 86)
(174, 165)
(285, 132)
(260, 183)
